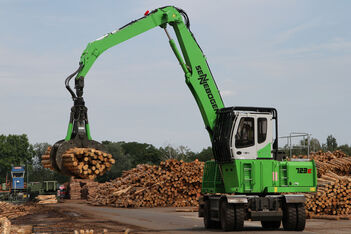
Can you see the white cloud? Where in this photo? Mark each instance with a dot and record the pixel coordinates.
(227, 93)
(289, 33)
(337, 45)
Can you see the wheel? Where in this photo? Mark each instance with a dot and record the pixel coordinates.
(207, 217)
(227, 216)
(294, 218)
(271, 224)
(289, 217)
(301, 217)
(239, 217)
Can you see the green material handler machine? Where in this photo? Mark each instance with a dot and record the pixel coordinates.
(248, 178)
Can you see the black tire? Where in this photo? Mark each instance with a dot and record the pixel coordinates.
(289, 217)
(227, 216)
(239, 217)
(271, 224)
(301, 217)
(207, 217)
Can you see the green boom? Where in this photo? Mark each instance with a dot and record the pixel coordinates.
(198, 76)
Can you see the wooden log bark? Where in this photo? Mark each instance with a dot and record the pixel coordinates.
(83, 162)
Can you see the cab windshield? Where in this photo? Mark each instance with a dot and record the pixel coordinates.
(17, 174)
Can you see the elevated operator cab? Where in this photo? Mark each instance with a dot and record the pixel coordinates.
(245, 133)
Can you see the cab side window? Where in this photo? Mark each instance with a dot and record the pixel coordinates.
(262, 129)
(245, 137)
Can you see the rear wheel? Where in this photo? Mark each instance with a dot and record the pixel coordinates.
(207, 216)
(271, 224)
(294, 218)
(289, 217)
(301, 217)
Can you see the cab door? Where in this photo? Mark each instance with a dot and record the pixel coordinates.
(244, 140)
(264, 136)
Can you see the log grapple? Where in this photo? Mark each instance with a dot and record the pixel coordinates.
(78, 133)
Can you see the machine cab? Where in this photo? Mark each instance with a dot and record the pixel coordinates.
(17, 174)
(252, 136)
(245, 133)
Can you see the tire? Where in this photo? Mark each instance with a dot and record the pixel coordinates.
(271, 224)
(294, 218)
(239, 217)
(227, 216)
(290, 217)
(207, 217)
(301, 217)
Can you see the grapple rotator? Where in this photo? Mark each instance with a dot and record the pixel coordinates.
(78, 136)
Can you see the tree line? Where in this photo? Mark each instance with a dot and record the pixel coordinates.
(15, 150)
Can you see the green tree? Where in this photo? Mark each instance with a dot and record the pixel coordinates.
(123, 161)
(141, 153)
(345, 148)
(15, 150)
(205, 155)
(180, 153)
(331, 143)
(168, 152)
(315, 145)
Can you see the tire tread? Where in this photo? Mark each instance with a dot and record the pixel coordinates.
(227, 217)
(301, 217)
(239, 217)
(290, 217)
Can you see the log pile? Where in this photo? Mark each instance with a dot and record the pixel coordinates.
(172, 183)
(82, 188)
(5, 226)
(46, 199)
(75, 190)
(337, 162)
(89, 190)
(12, 211)
(45, 159)
(85, 163)
(333, 196)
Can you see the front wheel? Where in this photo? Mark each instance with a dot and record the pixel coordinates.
(232, 216)
(227, 216)
(207, 217)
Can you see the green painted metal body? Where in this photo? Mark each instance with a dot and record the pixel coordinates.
(259, 176)
(198, 76)
(69, 132)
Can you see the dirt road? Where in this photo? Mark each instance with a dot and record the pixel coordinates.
(79, 215)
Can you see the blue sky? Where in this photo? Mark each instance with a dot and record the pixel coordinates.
(292, 55)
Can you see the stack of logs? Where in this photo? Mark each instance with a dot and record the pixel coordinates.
(46, 199)
(172, 183)
(75, 189)
(89, 190)
(12, 211)
(337, 162)
(45, 159)
(86, 163)
(333, 196)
